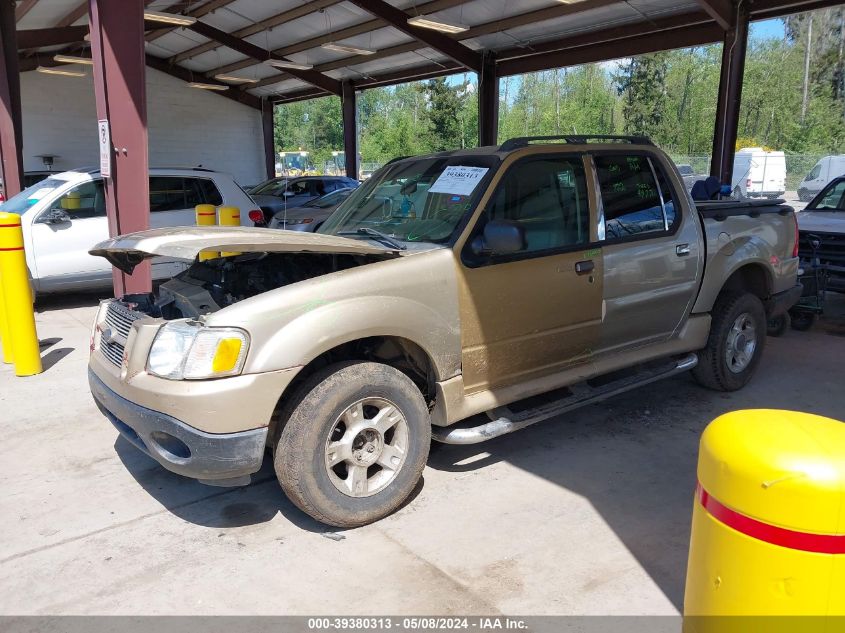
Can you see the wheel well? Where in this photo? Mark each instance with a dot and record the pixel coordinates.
(750, 278)
(400, 353)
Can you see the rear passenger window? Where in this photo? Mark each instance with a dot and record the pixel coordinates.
(548, 197)
(631, 196)
(174, 193)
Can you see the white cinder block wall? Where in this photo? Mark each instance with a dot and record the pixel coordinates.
(187, 127)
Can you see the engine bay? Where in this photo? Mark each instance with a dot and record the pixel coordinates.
(209, 286)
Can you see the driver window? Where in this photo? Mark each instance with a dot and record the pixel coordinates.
(83, 201)
(833, 198)
(814, 173)
(298, 188)
(548, 197)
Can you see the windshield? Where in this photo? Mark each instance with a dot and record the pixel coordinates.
(330, 199)
(22, 202)
(272, 187)
(830, 199)
(421, 200)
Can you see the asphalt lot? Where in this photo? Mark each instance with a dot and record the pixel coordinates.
(588, 514)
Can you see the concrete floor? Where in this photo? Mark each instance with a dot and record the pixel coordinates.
(584, 515)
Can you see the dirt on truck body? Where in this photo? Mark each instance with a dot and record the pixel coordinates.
(457, 297)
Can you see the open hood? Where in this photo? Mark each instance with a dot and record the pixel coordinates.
(127, 251)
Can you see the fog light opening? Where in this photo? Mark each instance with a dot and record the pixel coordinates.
(171, 445)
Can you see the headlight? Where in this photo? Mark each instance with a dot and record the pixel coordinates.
(188, 350)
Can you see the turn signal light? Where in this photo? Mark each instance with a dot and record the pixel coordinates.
(797, 235)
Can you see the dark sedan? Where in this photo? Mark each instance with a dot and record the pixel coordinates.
(278, 194)
(312, 214)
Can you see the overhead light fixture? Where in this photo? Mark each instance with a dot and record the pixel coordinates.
(204, 86)
(286, 63)
(58, 71)
(437, 25)
(72, 59)
(343, 48)
(169, 18)
(236, 80)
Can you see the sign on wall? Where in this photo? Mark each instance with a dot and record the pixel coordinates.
(105, 147)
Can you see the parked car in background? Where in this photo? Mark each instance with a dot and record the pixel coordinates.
(278, 194)
(312, 214)
(432, 303)
(64, 215)
(824, 218)
(758, 173)
(821, 174)
(689, 175)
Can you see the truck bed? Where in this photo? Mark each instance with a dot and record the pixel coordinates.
(722, 209)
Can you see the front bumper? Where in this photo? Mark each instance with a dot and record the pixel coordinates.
(781, 302)
(223, 459)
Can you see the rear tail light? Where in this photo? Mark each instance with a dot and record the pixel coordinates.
(256, 215)
(797, 235)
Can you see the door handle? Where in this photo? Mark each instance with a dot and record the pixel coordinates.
(682, 250)
(584, 267)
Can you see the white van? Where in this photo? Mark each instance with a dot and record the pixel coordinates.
(758, 174)
(63, 216)
(825, 170)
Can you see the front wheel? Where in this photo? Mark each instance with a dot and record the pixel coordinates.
(354, 445)
(737, 336)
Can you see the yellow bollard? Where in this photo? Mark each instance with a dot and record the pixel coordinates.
(26, 353)
(768, 526)
(229, 216)
(206, 216)
(5, 335)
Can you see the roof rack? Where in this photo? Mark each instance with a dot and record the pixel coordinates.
(574, 139)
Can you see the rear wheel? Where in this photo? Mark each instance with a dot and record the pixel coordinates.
(354, 445)
(779, 325)
(803, 321)
(736, 341)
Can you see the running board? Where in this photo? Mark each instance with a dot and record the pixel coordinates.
(504, 420)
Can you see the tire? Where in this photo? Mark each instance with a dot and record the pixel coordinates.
(779, 325)
(803, 321)
(731, 311)
(326, 406)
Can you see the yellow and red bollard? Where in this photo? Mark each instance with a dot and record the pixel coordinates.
(206, 216)
(768, 526)
(229, 216)
(19, 330)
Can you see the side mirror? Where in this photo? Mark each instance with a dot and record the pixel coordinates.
(500, 237)
(56, 216)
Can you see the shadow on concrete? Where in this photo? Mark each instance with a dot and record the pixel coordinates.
(54, 356)
(211, 506)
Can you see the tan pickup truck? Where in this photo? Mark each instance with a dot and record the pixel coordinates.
(439, 302)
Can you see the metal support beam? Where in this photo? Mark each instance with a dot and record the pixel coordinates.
(488, 102)
(267, 109)
(398, 19)
(11, 135)
(23, 8)
(117, 47)
(350, 129)
(729, 97)
(36, 38)
(262, 54)
(720, 10)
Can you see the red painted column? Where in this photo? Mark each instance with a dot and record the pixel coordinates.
(11, 135)
(117, 46)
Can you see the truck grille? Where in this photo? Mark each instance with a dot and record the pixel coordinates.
(118, 320)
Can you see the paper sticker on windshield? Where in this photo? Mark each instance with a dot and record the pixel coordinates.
(459, 181)
(36, 195)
